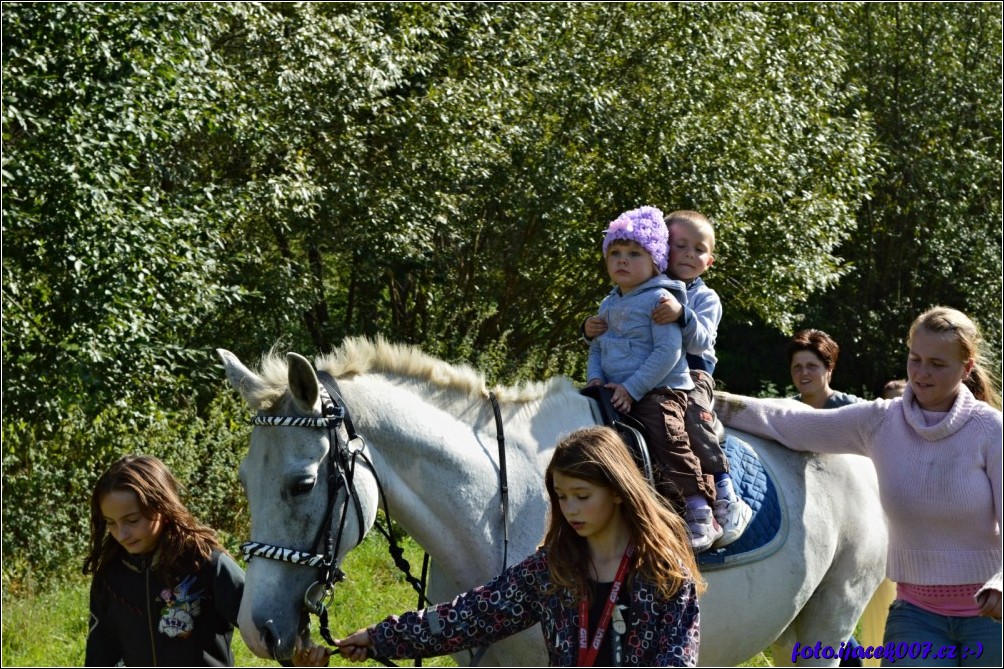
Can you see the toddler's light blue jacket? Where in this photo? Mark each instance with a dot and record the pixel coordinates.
(634, 351)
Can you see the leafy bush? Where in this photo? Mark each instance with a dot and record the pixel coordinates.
(46, 510)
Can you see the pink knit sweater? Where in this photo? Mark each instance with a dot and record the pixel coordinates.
(940, 486)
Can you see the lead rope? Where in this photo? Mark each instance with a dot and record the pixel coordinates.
(397, 553)
(404, 566)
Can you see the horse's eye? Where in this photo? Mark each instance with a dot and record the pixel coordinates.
(304, 485)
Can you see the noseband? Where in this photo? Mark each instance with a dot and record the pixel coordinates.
(342, 454)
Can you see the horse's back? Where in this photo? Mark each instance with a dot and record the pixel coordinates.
(819, 580)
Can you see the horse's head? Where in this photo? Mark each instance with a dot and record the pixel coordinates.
(312, 497)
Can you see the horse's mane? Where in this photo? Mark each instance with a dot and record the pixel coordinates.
(359, 355)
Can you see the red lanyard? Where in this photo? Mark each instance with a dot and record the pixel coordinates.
(587, 651)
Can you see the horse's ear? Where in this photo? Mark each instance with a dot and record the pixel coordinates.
(244, 381)
(302, 383)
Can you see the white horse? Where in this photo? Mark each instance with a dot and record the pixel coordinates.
(430, 433)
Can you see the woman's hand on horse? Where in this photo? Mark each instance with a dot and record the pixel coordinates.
(990, 604)
(594, 327)
(355, 647)
(313, 656)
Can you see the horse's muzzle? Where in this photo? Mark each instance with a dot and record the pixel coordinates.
(279, 648)
(272, 639)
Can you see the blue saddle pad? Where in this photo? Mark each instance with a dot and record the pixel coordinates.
(768, 527)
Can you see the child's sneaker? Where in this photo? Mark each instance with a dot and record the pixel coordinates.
(704, 529)
(733, 515)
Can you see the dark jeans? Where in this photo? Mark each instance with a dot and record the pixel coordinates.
(963, 641)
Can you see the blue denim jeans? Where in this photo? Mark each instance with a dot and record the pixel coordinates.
(918, 638)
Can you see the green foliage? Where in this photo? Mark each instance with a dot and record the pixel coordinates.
(47, 492)
(111, 232)
(178, 177)
(46, 627)
(931, 232)
(477, 152)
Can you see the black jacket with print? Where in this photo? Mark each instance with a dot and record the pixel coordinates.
(138, 620)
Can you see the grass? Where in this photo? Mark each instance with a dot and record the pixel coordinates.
(48, 628)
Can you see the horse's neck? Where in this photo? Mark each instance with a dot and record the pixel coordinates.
(439, 465)
(539, 425)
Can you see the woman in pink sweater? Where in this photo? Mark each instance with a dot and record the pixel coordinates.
(937, 454)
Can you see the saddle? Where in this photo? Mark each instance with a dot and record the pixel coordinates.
(768, 529)
(753, 481)
(630, 430)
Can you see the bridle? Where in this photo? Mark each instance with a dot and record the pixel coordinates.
(345, 447)
(343, 452)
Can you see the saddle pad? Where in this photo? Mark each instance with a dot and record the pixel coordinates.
(768, 527)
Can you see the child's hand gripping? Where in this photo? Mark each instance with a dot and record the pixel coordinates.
(356, 646)
(594, 327)
(311, 655)
(621, 399)
(669, 310)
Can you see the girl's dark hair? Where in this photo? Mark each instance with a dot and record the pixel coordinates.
(184, 542)
(663, 555)
(817, 342)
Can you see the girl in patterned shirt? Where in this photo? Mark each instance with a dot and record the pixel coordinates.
(613, 584)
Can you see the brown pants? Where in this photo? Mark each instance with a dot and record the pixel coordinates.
(676, 469)
(700, 421)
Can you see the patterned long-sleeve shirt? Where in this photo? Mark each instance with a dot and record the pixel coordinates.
(661, 632)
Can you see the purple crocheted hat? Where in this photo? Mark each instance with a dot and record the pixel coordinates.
(646, 226)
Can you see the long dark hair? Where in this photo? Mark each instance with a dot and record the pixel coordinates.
(184, 542)
(663, 556)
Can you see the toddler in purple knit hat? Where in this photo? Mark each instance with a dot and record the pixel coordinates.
(645, 367)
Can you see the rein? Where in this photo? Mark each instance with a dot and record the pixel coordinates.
(503, 479)
(342, 457)
(504, 493)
